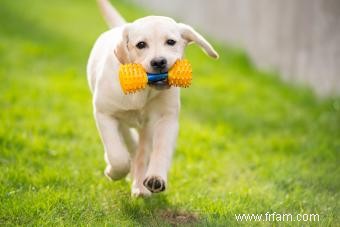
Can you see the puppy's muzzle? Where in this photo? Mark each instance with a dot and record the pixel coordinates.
(159, 64)
(159, 81)
(160, 85)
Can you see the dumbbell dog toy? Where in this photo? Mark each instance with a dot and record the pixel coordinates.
(133, 77)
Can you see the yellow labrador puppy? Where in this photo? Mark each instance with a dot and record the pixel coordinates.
(138, 130)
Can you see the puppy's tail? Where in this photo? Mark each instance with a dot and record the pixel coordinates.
(110, 14)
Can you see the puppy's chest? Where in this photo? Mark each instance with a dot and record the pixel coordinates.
(135, 108)
(136, 102)
(132, 118)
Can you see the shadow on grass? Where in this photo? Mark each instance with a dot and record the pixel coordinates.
(156, 211)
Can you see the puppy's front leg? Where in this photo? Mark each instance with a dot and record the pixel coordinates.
(164, 139)
(116, 155)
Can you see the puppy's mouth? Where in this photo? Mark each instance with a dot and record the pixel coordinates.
(161, 83)
(159, 71)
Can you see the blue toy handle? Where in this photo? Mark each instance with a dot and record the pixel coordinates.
(157, 77)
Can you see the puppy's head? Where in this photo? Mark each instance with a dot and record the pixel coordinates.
(157, 42)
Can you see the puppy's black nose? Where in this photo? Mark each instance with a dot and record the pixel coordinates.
(158, 63)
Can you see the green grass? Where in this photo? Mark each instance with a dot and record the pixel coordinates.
(248, 143)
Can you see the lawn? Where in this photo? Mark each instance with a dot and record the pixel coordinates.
(248, 142)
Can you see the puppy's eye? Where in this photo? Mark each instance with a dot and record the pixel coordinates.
(141, 45)
(171, 42)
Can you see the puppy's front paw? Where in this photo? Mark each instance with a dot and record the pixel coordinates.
(154, 184)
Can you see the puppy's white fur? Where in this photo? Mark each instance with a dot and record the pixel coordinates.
(153, 113)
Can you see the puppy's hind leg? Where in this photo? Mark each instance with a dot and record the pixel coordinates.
(139, 164)
(130, 137)
(116, 153)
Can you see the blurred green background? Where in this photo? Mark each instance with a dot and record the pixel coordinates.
(248, 142)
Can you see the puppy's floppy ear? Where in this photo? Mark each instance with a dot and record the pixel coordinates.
(121, 51)
(190, 35)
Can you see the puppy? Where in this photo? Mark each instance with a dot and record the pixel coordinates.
(138, 130)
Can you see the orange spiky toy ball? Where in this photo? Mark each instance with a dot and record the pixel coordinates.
(133, 77)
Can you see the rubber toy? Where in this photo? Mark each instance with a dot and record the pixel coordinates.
(133, 77)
